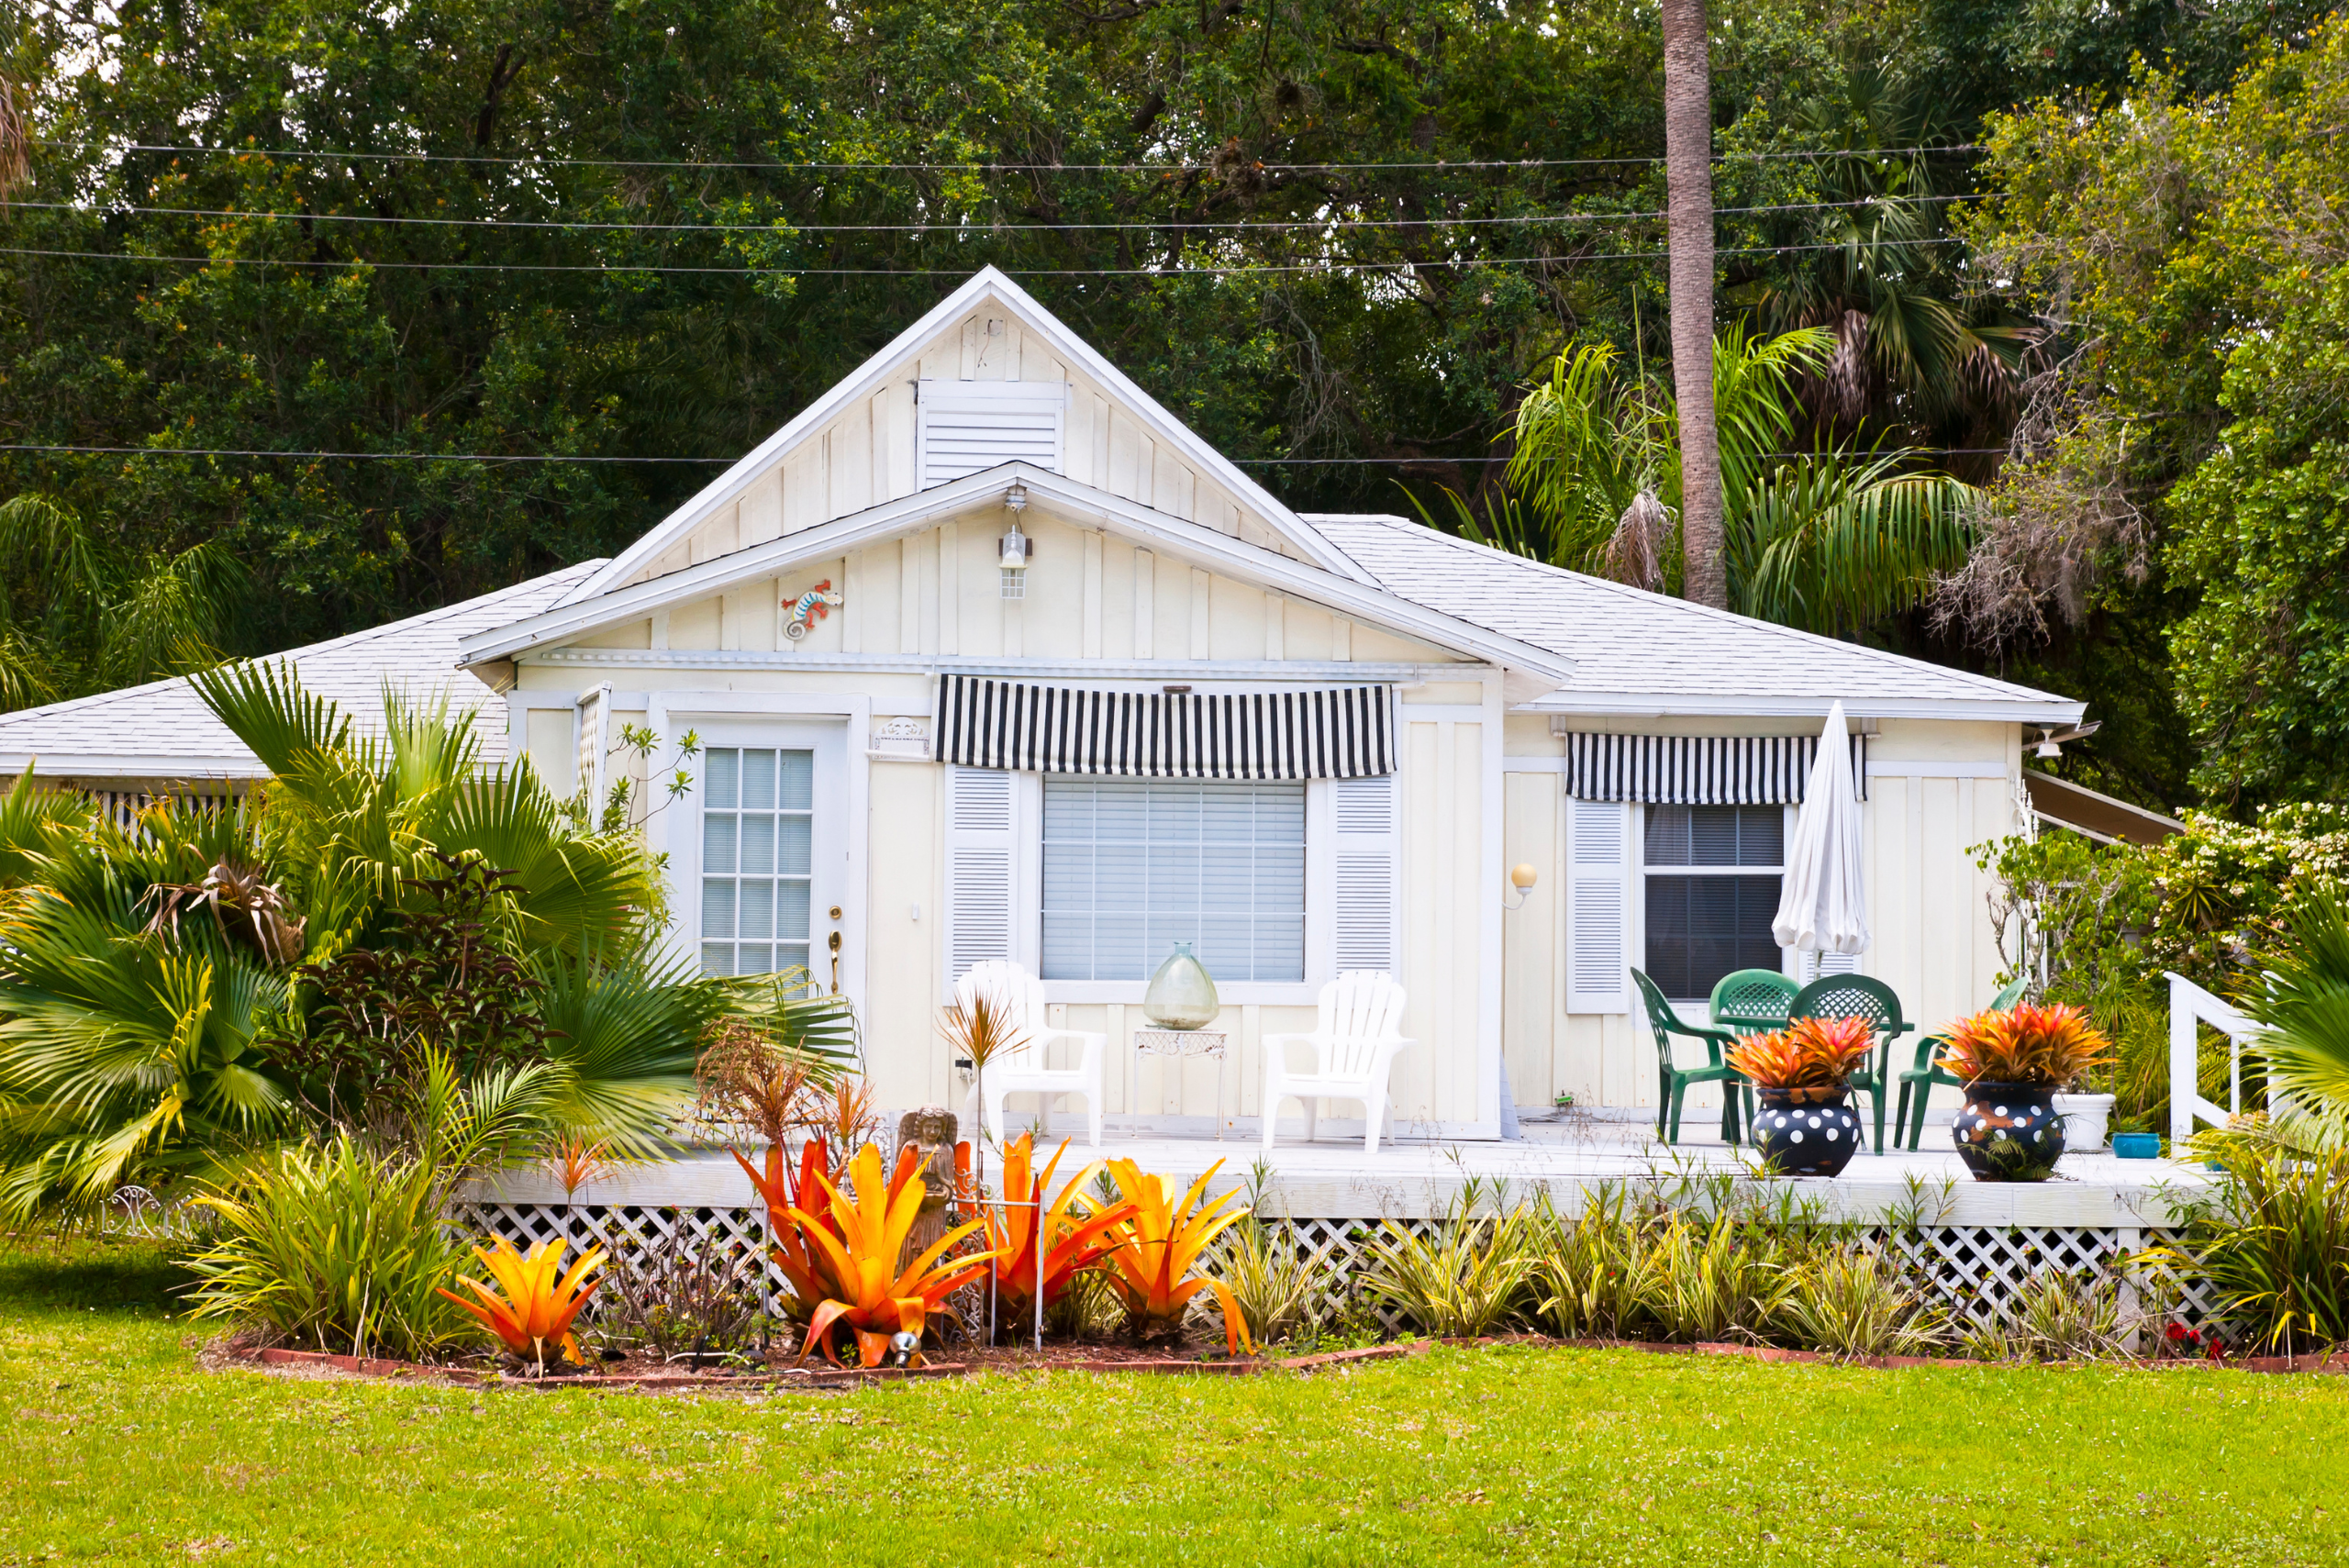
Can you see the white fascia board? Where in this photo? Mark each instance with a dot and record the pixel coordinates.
(1993, 710)
(140, 767)
(1064, 498)
(982, 284)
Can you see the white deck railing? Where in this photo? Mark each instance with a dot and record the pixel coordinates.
(2190, 1007)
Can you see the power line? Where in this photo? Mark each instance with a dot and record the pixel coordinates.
(964, 271)
(953, 228)
(554, 456)
(779, 167)
(372, 457)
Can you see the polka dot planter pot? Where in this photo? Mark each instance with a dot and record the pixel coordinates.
(2008, 1132)
(1806, 1137)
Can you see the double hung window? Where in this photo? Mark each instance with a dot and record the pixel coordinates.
(1713, 876)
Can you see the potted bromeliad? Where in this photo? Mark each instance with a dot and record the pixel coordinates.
(2013, 1064)
(1803, 1074)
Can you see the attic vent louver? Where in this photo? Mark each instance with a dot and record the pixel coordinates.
(967, 426)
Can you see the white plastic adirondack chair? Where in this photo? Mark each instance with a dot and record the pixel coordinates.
(1354, 1042)
(1021, 1068)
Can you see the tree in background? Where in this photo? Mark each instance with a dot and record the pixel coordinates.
(1688, 167)
(1832, 540)
(2185, 459)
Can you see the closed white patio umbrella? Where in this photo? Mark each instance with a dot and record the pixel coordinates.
(1824, 905)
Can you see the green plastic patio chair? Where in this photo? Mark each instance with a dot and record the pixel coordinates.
(1858, 996)
(1752, 1000)
(1672, 1081)
(1925, 1075)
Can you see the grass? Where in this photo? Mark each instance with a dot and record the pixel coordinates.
(114, 1446)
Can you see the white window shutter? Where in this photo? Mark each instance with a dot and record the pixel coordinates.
(594, 723)
(1598, 905)
(982, 859)
(966, 426)
(1365, 859)
(1825, 963)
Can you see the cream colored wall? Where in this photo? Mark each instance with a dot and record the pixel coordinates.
(1091, 596)
(865, 455)
(1928, 916)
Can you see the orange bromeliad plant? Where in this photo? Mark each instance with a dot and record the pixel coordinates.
(538, 1301)
(1157, 1246)
(1078, 1233)
(2056, 1045)
(855, 1245)
(784, 1194)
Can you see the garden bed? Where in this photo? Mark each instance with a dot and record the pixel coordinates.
(782, 1374)
(785, 1375)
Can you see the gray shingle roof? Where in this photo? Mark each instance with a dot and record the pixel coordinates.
(1642, 653)
(162, 730)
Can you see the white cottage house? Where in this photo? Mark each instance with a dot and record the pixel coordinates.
(988, 656)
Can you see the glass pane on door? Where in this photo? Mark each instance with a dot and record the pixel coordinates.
(757, 833)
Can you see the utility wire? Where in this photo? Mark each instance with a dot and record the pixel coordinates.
(780, 167)
(555, 457)
(957, 228)
(964, 271)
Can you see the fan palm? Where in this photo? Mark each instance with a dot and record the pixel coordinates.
(2304, 1007)
(144, 1010)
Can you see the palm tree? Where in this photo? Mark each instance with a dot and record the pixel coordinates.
(80, 615)
(1829, 541)
(1689, 177)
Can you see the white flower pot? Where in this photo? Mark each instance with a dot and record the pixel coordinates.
(2086, 1118)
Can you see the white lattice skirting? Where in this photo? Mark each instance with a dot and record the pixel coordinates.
(1975, 1271)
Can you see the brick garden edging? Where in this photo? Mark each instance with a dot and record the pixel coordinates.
(808, 1377)
(840, 1377)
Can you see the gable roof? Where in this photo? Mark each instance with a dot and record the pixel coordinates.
(986, 286)
(162, 730)
(1638, 653)
(1539, 668)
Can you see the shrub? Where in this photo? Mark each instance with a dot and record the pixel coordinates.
(1465, 1278)
(682, 1295)
(2053, 1316)
(335, 1247)
(2273, 1242)
(1270, 1279)
(1856, 1301)
(1590, 1271)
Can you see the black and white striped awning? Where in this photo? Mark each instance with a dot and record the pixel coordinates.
(1344, 732)
(1699, 770)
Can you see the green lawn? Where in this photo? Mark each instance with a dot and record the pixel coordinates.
(116, 1448)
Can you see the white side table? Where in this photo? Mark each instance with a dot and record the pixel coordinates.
(1179, 1043)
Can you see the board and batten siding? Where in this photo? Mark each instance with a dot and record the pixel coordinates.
(866, 455)
(1090, 596)
(1936, 791)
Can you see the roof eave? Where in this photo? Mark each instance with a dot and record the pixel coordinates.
(1638, 704)
(1247, 562)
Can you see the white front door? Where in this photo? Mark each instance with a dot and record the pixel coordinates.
(769, 883)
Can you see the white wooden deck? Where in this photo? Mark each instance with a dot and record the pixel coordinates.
(1334, 1179)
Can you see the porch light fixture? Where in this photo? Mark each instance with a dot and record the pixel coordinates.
(1014, 545)
(2052, 741)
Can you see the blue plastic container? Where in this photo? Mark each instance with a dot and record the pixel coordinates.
(2137, 1145)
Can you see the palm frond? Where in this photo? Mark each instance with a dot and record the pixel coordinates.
(1829, 542)
(2304, 1007)
(265, 705)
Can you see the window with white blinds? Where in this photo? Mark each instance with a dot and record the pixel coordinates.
(1132, 866)
(757, 837)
